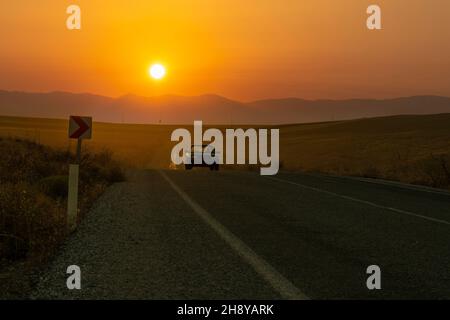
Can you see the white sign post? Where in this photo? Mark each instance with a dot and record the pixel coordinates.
(72, 199)
(79, 128)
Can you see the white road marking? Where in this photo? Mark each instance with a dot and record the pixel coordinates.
(360, 201)
(392, 184)
(278, 282)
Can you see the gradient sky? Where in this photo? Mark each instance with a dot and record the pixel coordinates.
(244, 50)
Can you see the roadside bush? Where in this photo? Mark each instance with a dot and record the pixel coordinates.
(30, 222)
(33, 195)
(55, 187)
(436, 169)
(371, 171)
(101, 167)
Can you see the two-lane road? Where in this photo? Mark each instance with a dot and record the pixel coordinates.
(202, 234)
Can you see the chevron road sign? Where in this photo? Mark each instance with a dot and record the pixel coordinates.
(80, 127)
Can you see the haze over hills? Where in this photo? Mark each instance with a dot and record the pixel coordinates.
(212, 109)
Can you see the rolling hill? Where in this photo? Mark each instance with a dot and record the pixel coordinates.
(409, 148)
(212, 109)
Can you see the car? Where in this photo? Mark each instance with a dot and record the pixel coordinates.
(198, 154)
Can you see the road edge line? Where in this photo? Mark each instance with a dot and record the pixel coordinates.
(360, 201)
(275, 279)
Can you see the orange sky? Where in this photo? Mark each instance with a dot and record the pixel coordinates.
(240, 49)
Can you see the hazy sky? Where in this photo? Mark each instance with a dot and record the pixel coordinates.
(240, 49)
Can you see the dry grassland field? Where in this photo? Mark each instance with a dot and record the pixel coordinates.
(412, 149)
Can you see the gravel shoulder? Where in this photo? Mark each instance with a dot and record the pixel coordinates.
(141, 241)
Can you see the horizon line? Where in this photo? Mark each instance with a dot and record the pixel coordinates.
(220, 96)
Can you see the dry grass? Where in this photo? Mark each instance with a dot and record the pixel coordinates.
(33, 201)
(403, 148)
(33, 195)
(411, 149)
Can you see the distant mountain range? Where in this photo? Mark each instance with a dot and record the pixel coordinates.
(212, 109)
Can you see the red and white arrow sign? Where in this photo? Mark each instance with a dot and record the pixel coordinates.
(80, 127)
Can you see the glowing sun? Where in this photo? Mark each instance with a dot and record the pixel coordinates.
(157, 71)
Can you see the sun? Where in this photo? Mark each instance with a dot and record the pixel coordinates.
(157, 71)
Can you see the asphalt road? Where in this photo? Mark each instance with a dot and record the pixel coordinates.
(237, 235)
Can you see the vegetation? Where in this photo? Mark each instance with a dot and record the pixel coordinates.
(412, 149)
(33, 196)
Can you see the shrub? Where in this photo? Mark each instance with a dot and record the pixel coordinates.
(371, 171)
(55, 187)
(33, 192)
(437, 169)
(30, 222)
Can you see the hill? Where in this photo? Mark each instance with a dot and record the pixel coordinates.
(212, 109)
(409, 148)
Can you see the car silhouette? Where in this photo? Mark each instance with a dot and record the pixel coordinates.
(198, 155)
